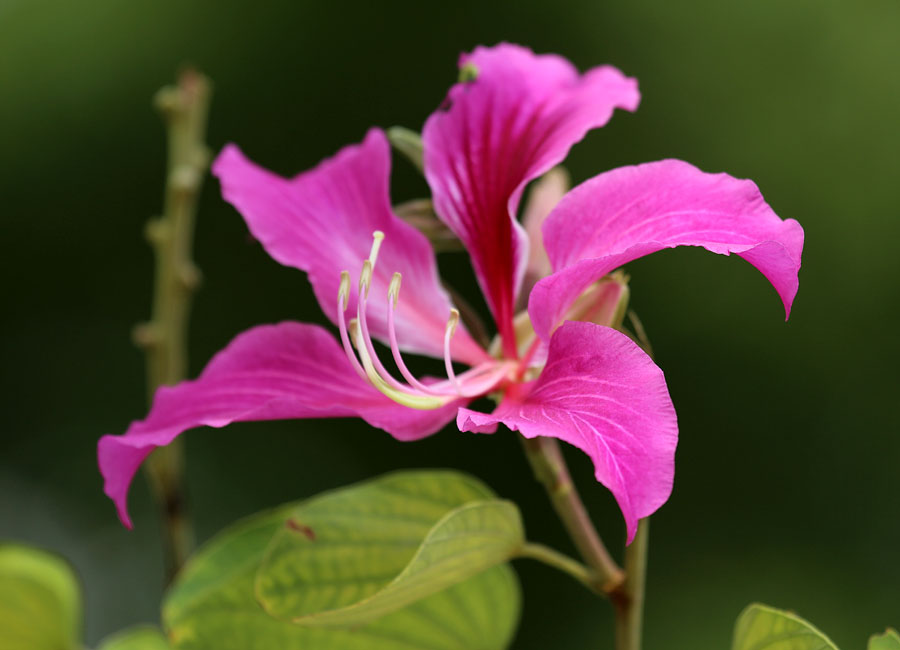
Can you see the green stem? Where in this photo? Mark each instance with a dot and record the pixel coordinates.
(551, 557)
(184, 108)
(550, 469)
(628, 599)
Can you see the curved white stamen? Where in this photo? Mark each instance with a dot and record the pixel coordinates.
(343, 299)
(479, 380)
(357, 342)
(366, 339)
(393, 297)
(420, 402)
(452, 322)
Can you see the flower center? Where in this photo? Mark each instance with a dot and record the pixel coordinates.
(357, 340)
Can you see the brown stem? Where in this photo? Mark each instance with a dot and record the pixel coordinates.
(550, 469)
(184, 108)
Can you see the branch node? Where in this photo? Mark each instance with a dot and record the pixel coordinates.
(190, 276)
(146, 335)
(157, 230)
(168, 101)
(185, 178)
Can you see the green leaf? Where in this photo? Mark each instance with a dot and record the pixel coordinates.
(409, 143)
(141, 637)
(212, 603)
(890, 640)
(40, 601)
(760, 627)
(336, 579)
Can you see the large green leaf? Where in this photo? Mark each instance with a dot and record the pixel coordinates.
(890, 640)
(40, 601)
(765, 628)
(212, 605)
(142, 637)
(338, 579)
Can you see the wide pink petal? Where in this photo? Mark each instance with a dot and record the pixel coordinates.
(601, 393)
(630, 212)
(322, 221)
(517, 119)
(270, 372)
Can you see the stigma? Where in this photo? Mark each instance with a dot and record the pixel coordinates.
(360, 349)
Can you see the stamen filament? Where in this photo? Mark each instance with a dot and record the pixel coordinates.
(452, 322)
(479, 380)
(359, 348)
(364, 331)
(343, 298)
(420, 402)
(393, 297)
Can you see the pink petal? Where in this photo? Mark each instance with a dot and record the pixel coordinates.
(517, 119)
(271, 372)
(322, 221)
(601, 393)
(630, 212)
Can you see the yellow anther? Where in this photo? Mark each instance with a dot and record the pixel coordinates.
(344, 291)
(365, 278)
(394, 288)
(377, 238)
(452, 322)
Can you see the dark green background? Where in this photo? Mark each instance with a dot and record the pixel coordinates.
(787, 486)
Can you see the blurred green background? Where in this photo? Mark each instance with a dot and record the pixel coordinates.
(787, 484)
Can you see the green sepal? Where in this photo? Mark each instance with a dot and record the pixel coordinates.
(409, 143)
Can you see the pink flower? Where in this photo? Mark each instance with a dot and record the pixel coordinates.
(582, 382)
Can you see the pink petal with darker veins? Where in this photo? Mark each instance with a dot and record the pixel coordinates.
(322, 221)
(601, 393)
(517, 119)
(270, 372)
(630, 212)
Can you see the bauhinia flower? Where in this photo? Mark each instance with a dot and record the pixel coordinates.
(557, 369)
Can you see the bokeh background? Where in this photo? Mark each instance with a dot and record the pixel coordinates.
(787, 482)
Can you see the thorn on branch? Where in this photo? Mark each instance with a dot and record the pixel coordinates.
(157, 230)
